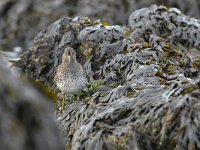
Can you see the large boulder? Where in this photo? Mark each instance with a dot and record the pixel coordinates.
(26, 116)
(151, 90)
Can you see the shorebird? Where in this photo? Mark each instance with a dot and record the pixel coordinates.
(70, 76)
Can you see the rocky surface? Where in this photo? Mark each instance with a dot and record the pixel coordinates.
(26, 117)
(151, 90)
(31, 16)
(174, 25)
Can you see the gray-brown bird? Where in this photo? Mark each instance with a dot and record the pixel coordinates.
(70, 76)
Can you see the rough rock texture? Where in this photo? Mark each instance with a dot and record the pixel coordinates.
(26, 116)
(151, 92)
(31, 16)
(173, 25)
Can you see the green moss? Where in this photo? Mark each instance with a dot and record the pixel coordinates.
(184, 62)
(159, 73)
(92, 88)
(166, 47)
(146, 45)
(71, 99)
(115, 85)
(170, 72)
(86, 93)
(189, 89)
(127, 32)
(131, 93)
(196, 63)
(105, 23)
(171, 69)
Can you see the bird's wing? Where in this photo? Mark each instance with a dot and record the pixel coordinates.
(56, 76)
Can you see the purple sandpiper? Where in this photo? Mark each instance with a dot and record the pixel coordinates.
(70, 76)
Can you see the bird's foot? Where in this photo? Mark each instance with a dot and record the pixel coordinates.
(61, 109)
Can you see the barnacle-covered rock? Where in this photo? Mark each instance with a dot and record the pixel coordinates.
(150, 93)
(26, 116)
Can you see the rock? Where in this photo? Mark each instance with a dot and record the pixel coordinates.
(166, 22)
(151, 79)
(69, 32)
(31, 16)
(26, 116)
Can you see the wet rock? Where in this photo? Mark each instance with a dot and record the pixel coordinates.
(26, 117)
(150, 93)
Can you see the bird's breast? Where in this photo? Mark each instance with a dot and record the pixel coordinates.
(71, 84)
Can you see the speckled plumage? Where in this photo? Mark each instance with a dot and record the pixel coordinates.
(70, 77)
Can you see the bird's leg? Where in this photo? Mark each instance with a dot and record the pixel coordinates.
(62, 103)
(78, 97)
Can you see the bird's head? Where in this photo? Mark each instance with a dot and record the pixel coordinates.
(69, 55)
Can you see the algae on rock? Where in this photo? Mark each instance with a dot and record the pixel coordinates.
(150, 96)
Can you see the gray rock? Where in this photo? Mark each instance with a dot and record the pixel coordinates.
(21, 19)
(26, 116)
(165, 22)
(150, 96)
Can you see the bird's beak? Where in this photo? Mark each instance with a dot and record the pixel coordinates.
(69, 57)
